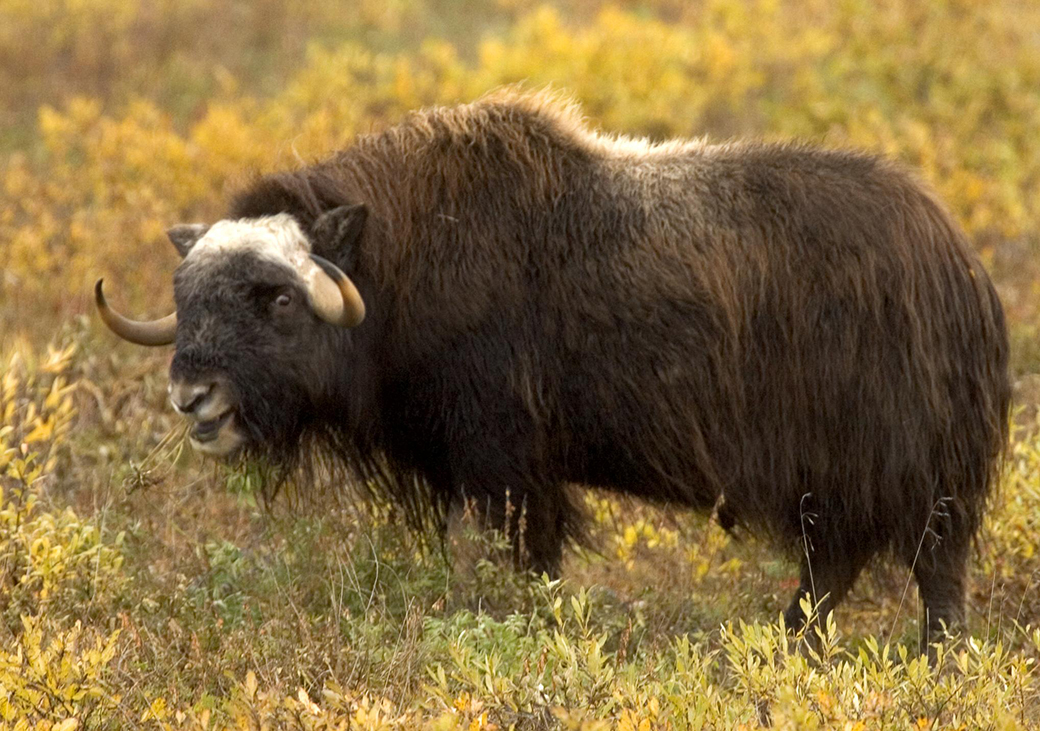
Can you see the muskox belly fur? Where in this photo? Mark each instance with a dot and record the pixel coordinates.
(800, 338)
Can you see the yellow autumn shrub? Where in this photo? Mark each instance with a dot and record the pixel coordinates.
(54, 678)
(53, 563)
(47, 557)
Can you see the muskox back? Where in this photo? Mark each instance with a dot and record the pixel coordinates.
(800, 339)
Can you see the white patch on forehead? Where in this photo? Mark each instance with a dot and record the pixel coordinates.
(278, 239)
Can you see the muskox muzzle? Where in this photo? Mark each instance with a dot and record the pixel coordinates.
(211, 411)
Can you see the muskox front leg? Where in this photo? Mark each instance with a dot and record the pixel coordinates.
(534, 521)
(497, 469)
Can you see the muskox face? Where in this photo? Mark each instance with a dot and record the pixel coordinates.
(257, 318)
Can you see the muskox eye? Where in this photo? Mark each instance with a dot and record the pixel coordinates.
(283, 300)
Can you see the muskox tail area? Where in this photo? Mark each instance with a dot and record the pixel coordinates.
(942, 433)
(963, 356)
(881, 398)
(971, 421)
(971, 436)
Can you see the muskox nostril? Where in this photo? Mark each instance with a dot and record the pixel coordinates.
(191, 406)
(187, 397)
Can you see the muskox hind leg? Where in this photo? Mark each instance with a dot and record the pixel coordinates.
(826, 578)
(941, 581)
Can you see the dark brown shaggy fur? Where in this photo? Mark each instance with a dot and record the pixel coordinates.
(802, 337)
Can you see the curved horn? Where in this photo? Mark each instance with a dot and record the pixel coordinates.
(333, 297)
(156, 332)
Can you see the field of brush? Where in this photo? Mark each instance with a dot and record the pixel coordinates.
(141, 586)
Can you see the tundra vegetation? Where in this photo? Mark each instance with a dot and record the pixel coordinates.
(143, 587)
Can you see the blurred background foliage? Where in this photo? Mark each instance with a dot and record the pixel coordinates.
(140, 587)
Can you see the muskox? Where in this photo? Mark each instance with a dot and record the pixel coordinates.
(491, 302)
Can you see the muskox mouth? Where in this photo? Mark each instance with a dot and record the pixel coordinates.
(207, 431)
(217, 437)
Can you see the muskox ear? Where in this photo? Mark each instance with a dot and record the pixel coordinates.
(340, 227)
(185, 235)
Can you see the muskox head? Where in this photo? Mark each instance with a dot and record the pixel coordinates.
(258, 318)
